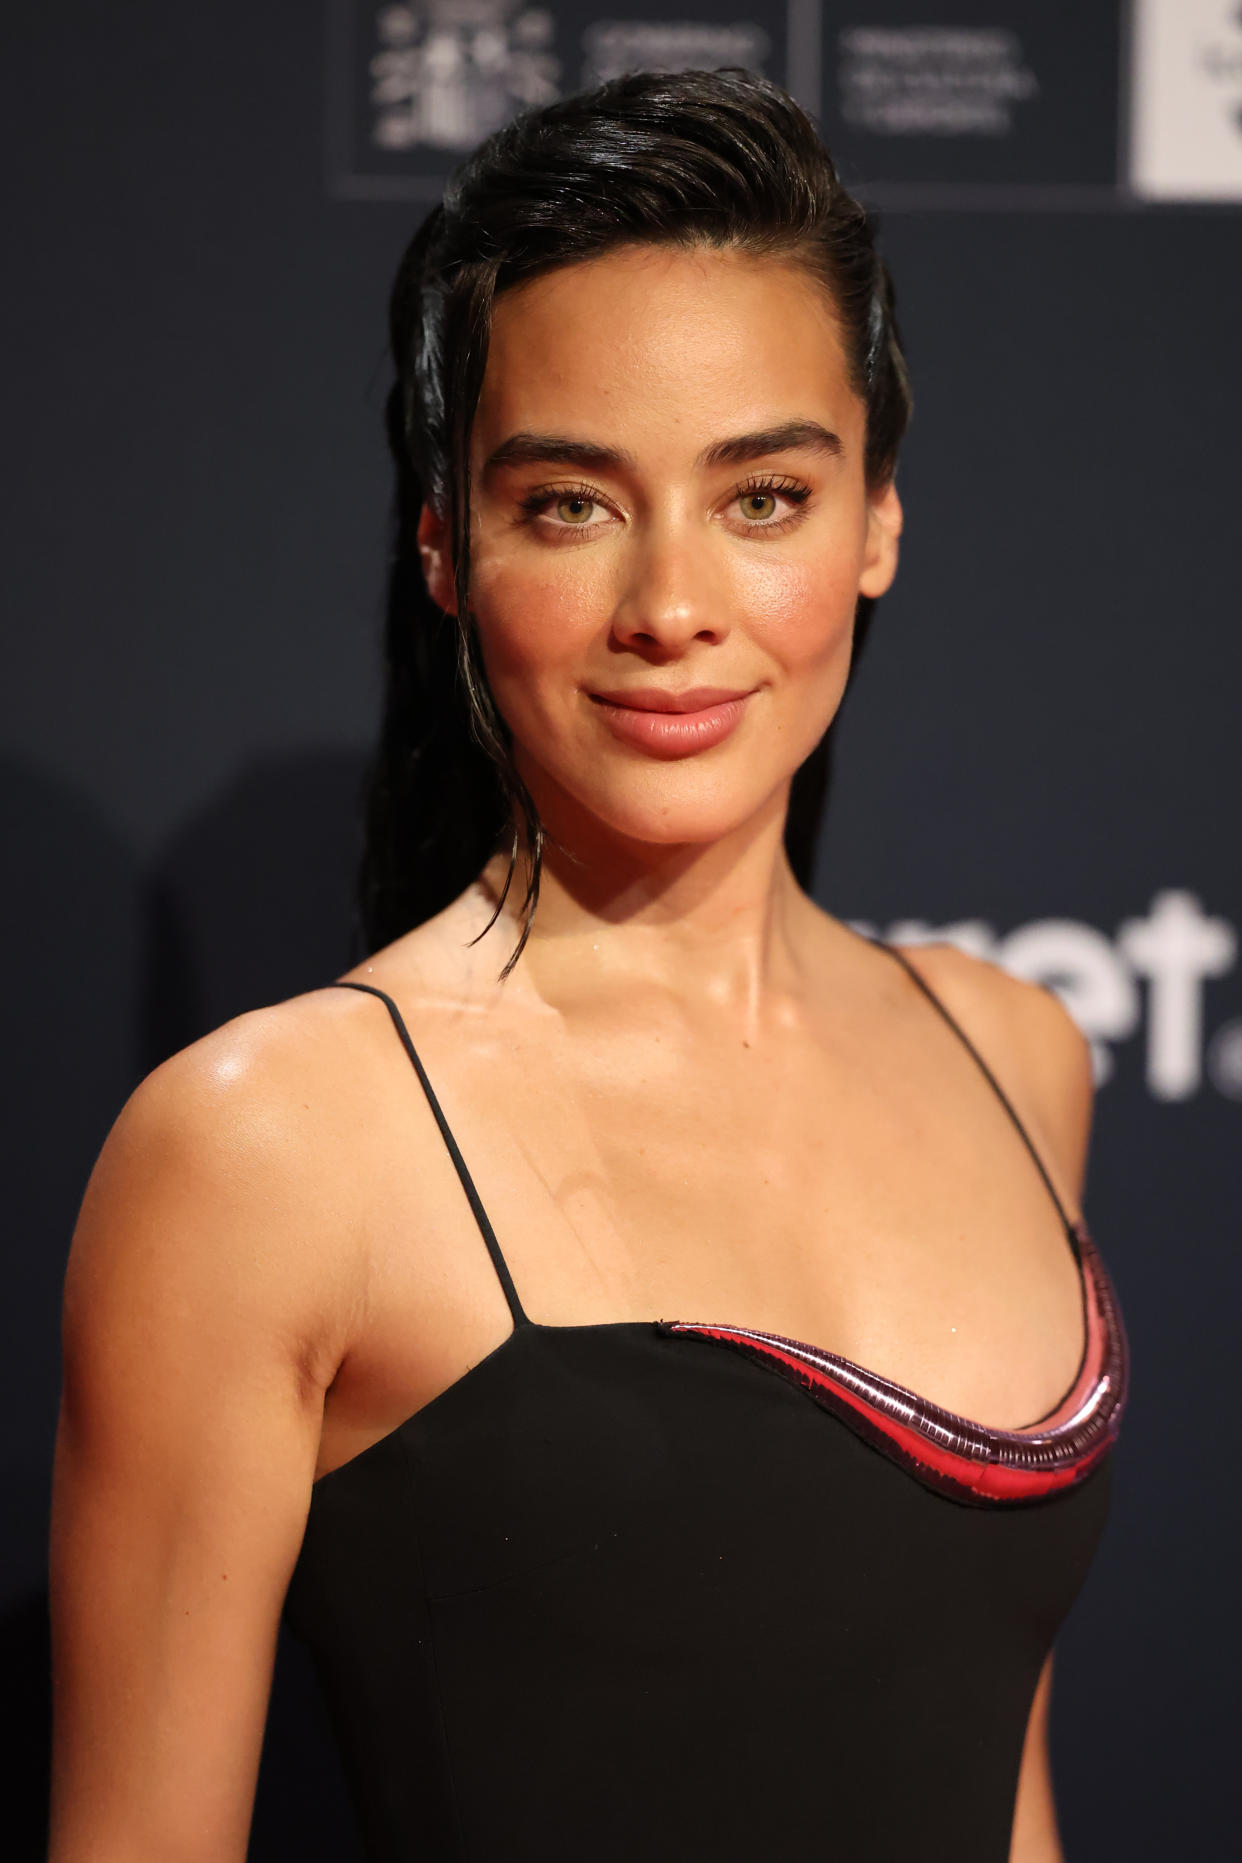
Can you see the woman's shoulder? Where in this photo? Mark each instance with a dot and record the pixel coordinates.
(297, 1084)
(271, 1075)
(233, 1181)
(258, 1084)
(1039, 1055)
(295, 1093)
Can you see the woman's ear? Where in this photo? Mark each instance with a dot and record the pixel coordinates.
(437, 560)
(884, 521)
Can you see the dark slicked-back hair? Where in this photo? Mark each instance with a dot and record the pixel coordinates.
(696, 158)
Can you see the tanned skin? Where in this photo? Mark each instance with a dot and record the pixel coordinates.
(697, 1092)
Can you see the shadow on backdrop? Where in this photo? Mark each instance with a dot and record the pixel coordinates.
(108, 972)
(71, 947)
(252, 900)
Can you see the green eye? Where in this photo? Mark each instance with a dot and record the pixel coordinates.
(574, 510)
(759, 504)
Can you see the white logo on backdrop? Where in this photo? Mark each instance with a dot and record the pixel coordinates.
(449, 72)
(1187, 100)
(615, 46)
(1173, 951)
(933, 80)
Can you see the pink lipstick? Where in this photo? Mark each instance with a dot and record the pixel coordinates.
(671, 724)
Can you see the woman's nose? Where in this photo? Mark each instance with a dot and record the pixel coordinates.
(670, 596)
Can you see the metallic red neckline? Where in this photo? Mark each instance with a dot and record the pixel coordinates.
(950, 1453)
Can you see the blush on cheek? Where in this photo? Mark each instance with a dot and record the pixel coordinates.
(802, 614)
(531, 624)
(512, 651)
(533, 645)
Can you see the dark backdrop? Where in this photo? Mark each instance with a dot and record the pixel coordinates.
(1041, 750)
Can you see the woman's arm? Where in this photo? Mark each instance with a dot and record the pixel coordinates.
(198, 1341)
(1043, 1061)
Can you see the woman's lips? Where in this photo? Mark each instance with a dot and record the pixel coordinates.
(671, 724)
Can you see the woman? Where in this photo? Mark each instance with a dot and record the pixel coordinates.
(597, 1560)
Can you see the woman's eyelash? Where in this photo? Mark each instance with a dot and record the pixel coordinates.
(535, 502)
(766, 486)
(787, 488)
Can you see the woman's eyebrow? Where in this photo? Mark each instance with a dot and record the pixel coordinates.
(555, 449)
(807, 435)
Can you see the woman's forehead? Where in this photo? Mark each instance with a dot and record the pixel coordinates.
(664, 341)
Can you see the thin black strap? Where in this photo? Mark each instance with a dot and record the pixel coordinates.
(988, 1075)
(467, 1182)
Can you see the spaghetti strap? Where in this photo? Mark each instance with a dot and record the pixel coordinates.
(459, 1164)
(1068, 1223)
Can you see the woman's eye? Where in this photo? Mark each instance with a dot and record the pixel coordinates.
(761, 505)
(574, 510)
(758, 504)
(560, 510)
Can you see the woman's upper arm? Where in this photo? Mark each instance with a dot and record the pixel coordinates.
(200, 1301)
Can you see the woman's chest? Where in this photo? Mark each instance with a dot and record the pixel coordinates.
(881, 1209)
(895, 1220)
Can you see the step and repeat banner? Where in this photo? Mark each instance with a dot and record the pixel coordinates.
(982, 102)
(1040, 758)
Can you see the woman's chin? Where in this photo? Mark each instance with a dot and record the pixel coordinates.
(664, 822)
(694, 802)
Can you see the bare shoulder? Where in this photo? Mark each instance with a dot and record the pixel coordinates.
(1031, 1043)
(254, 1094)
(226, 1181)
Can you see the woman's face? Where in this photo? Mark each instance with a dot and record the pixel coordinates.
(670, 531)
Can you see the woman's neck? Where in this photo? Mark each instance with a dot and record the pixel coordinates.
(724, 922)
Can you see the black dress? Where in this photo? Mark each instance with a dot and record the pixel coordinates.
(657, 1590)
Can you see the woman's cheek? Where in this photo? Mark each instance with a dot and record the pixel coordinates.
(535, 626)
(801, 612)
